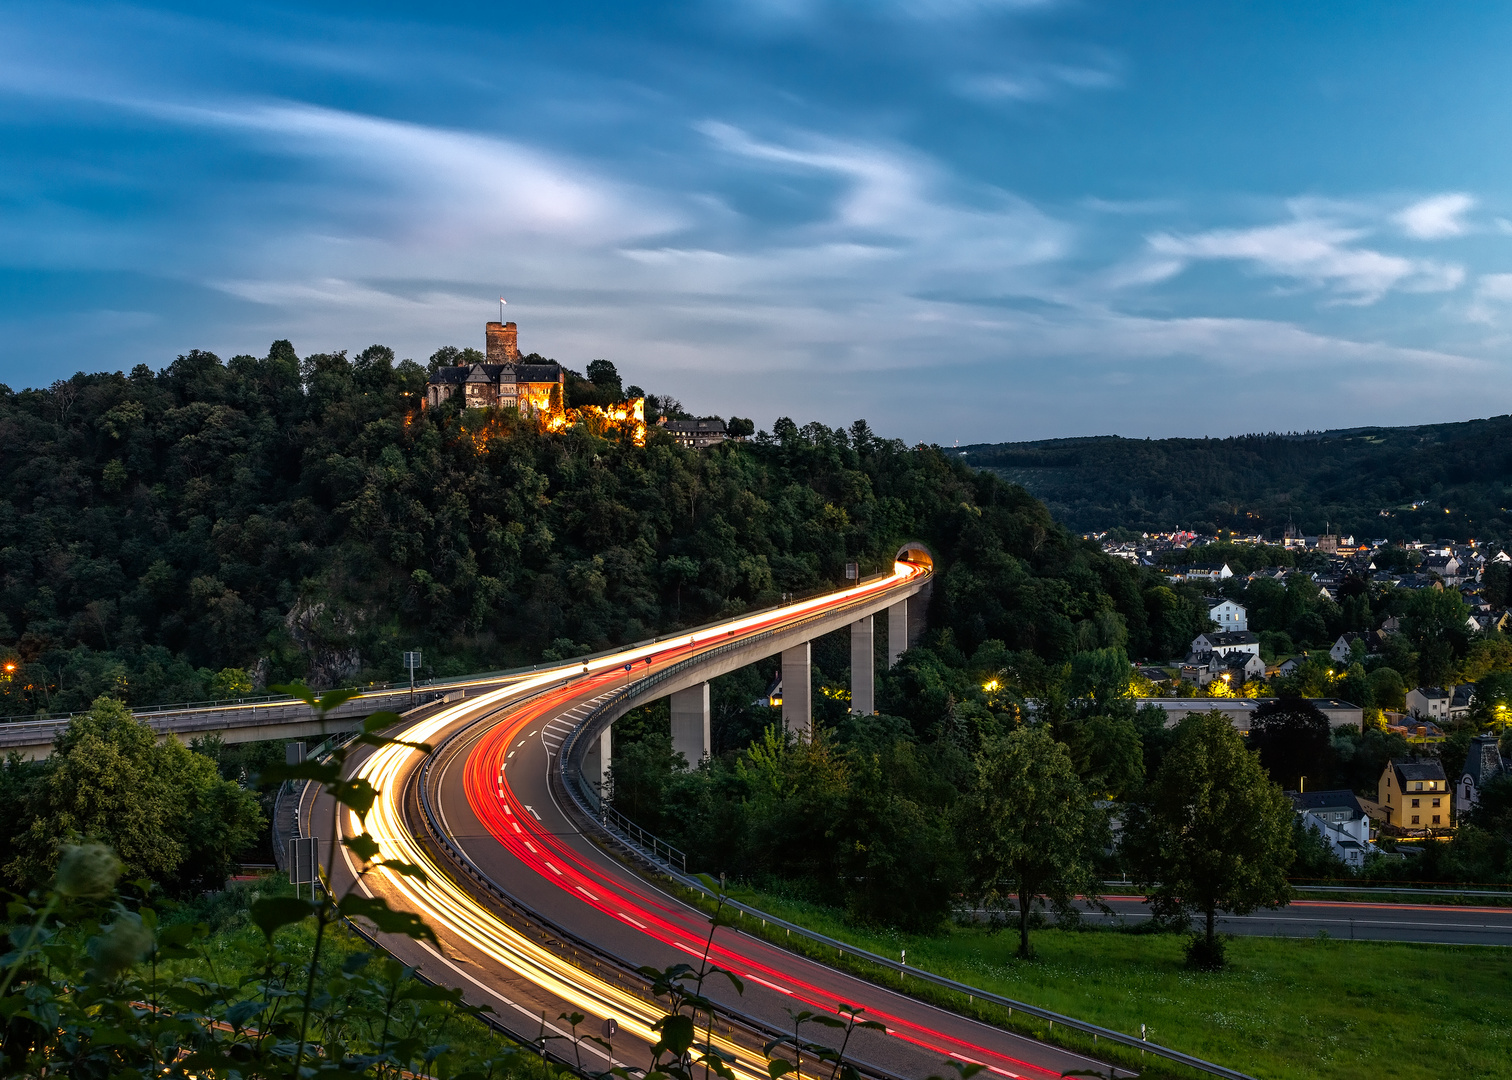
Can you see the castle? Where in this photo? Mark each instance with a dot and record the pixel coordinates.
(538, 390)
(501, 379)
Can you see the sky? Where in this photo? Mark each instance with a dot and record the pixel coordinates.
(962, 220)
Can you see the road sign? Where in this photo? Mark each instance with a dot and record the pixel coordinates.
(304, 861)
(611, 1027)
(294, 753)
(412, 660)
(852, 571)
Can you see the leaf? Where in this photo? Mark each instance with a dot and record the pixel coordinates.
(274, 912)
(324, 772)
(355, 963)
(297, 689)
(388, 921)
(333, 699)
(380, 720)
(357, 794)
(777, 1067)
(677, 1033)
(827, 1021)
(363, 846)
(405, 868)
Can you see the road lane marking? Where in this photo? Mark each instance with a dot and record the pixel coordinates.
(532, 810)
(631, 921)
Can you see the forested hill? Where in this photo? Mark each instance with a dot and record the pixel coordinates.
(1396, 483)
(165, 535)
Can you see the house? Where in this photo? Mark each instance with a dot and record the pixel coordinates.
(1236, 668)
(1227, 614)
(1447, 567)
(1338, 817)
(1483, 762)
(1290, 665)
(1341, 651)
(1223, 643)
(1429, 702)
(696, 434)
(1209, 572)
(1415, 796)
(1439, 703)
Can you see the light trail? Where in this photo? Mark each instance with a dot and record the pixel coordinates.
(449, 907)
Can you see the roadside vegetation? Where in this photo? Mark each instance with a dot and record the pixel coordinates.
(1283, 1009)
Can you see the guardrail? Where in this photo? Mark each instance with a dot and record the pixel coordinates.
(592, 805)
(622, 966)
(433, 683)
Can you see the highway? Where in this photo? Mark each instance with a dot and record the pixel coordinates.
(488, 790)
(1443, 924)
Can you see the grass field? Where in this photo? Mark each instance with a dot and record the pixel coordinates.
(1285, 1008)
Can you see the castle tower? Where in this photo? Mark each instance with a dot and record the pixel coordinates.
(502, 342)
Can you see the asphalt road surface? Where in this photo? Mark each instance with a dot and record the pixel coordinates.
(1351, 921)
(493, 797)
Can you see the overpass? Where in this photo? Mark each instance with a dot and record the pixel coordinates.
(263, 719)
(250, 721)
(537, 918)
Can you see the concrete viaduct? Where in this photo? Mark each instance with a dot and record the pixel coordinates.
(905, 609)
(289, 719)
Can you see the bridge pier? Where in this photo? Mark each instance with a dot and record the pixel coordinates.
(690, 723)
(596, 761)
(897, 632)
(863, 667)
(797, 691)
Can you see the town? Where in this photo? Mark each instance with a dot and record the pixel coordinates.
(1236, 667)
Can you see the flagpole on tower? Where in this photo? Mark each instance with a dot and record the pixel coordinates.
(502, 302)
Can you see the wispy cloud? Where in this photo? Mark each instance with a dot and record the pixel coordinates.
(1436, 218)
(1033, 82)
(1316, 251)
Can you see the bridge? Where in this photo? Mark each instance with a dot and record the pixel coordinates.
(537, 906)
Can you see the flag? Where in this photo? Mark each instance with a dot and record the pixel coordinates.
(502, 300)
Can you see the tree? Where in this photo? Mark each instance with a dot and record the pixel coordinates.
(1291, 735)
(163, 809)
(1210, 833)
(1029, 828)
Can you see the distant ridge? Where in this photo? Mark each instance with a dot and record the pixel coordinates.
(1362, 480)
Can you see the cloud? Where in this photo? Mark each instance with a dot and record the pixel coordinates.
(1033, 83)
(1316, 251)
(1492, 291)
(1435, 218)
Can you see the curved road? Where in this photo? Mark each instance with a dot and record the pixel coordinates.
(519, 944)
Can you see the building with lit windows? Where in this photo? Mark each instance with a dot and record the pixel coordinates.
(1414, 796)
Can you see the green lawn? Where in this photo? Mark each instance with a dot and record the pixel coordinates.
(1285, 1007)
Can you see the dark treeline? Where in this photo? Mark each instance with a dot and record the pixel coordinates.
(213, 526)
(1256, 482)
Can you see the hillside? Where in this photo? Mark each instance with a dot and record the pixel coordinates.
(1439, 481)
(195, 531)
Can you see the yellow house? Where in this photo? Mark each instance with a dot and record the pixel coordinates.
(1415, 796)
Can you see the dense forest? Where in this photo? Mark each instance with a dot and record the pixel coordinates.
(196, 531)
(1441, 481)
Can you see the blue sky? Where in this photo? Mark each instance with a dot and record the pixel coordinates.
(963, 220)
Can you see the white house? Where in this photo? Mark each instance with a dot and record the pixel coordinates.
(1341, 648)
(1224, 643)
(1209, 572)
(1440, 703)
(1339, 819)
(1227, 614)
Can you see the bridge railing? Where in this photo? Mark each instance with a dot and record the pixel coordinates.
(591, 804)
